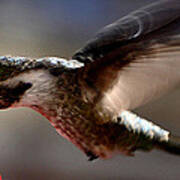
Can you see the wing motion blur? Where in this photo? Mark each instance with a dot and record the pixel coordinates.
(87, 99)
(136, 59)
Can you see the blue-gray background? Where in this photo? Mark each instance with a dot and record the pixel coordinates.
(30, 148)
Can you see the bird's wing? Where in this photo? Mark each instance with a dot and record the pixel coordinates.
(135, 59)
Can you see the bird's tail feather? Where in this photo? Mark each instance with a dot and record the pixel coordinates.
(149, 135)
(172, 145)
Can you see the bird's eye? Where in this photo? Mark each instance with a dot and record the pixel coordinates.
(5, 72)
(56, 71)
(8, 67)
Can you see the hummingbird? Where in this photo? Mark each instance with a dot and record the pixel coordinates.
(89, 98)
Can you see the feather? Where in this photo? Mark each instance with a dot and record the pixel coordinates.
(130, 65)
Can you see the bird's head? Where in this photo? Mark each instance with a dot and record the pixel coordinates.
(28, 82)
(10, 89)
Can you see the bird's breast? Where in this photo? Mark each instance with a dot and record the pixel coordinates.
(85, 133)
(82, 129)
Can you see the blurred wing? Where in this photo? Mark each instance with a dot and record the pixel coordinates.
(135, 59)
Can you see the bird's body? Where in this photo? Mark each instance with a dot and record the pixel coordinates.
(61, 100)
(87, 98)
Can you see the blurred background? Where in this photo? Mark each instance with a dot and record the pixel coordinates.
(30, 149)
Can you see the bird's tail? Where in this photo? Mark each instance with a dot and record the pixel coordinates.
(172, 145)
(148, 135)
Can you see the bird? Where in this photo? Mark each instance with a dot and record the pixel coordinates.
(89, 98)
